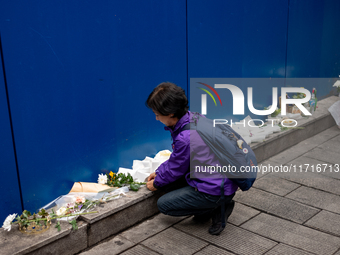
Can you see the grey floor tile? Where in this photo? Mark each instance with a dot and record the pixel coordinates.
(116, 245)
(314, 180)
(172, 241)
(234, 239)
(326, 221)
(138, 250)
(241, 214)
(150, 227)
(328, 156)
(325, 135)
(209, 250)
(280, 206)
(293, 234)
(306, 164)
(273, 184)
(265, 163)
(316, 198)
(336, 138)
(283, 249)
(331, 145)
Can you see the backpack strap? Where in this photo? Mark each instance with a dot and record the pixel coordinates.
(190, 126)
(186, 127)
(222, 205)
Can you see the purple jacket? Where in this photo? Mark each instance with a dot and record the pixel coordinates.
(189, 150)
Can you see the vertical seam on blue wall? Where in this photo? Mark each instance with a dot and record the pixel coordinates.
(286, 59)
(11, 123)
(186, 42)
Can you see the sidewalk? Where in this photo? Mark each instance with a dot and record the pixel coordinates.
(284, 213)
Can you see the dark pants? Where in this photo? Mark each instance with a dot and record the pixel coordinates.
(182, 200)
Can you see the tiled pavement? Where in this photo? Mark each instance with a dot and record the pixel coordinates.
(284, 213)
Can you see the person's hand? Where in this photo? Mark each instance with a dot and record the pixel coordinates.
(152, 176)
(150, 186)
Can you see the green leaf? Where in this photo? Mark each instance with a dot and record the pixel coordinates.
(58, 225)
(43, 213)
(74, 224)
(134, 186)
(26, 214)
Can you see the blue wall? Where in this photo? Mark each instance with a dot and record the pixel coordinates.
(78, 74)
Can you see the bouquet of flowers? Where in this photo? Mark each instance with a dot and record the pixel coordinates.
(119, 180)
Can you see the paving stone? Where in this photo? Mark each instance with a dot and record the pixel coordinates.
(324, 155)
(265, 163)
(114, 246)
(316, 198)
(272, 183)
(332, 174)
(304, 164)
(324, 136)
(122, 219)
(337, 138)
(209, 250)
(293, 234)
(241, 214)
(173, 241)
(314, 180)
(139, 250)
(282, 249)
(338, 253)
(330, 145)
(234, 239)
(150, 227)
(276, 205)
(326, 221)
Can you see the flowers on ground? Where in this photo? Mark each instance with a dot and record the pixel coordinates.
(102, 178)
(79, 207)
(62, 211)
(8, 221)
(80, 199)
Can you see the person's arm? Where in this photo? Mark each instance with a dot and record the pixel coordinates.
(178, 163)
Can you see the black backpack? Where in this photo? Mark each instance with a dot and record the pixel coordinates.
(223, 141)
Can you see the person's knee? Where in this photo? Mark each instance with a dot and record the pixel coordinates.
(161, 204)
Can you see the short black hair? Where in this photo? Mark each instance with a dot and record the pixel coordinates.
(168, 98)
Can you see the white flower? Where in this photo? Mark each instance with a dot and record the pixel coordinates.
(7, 223)
(102, 178)
(61, 211)
(337, 84)
(80, 199)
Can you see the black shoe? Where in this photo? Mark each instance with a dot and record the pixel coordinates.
(202, 218)
(216, 228)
